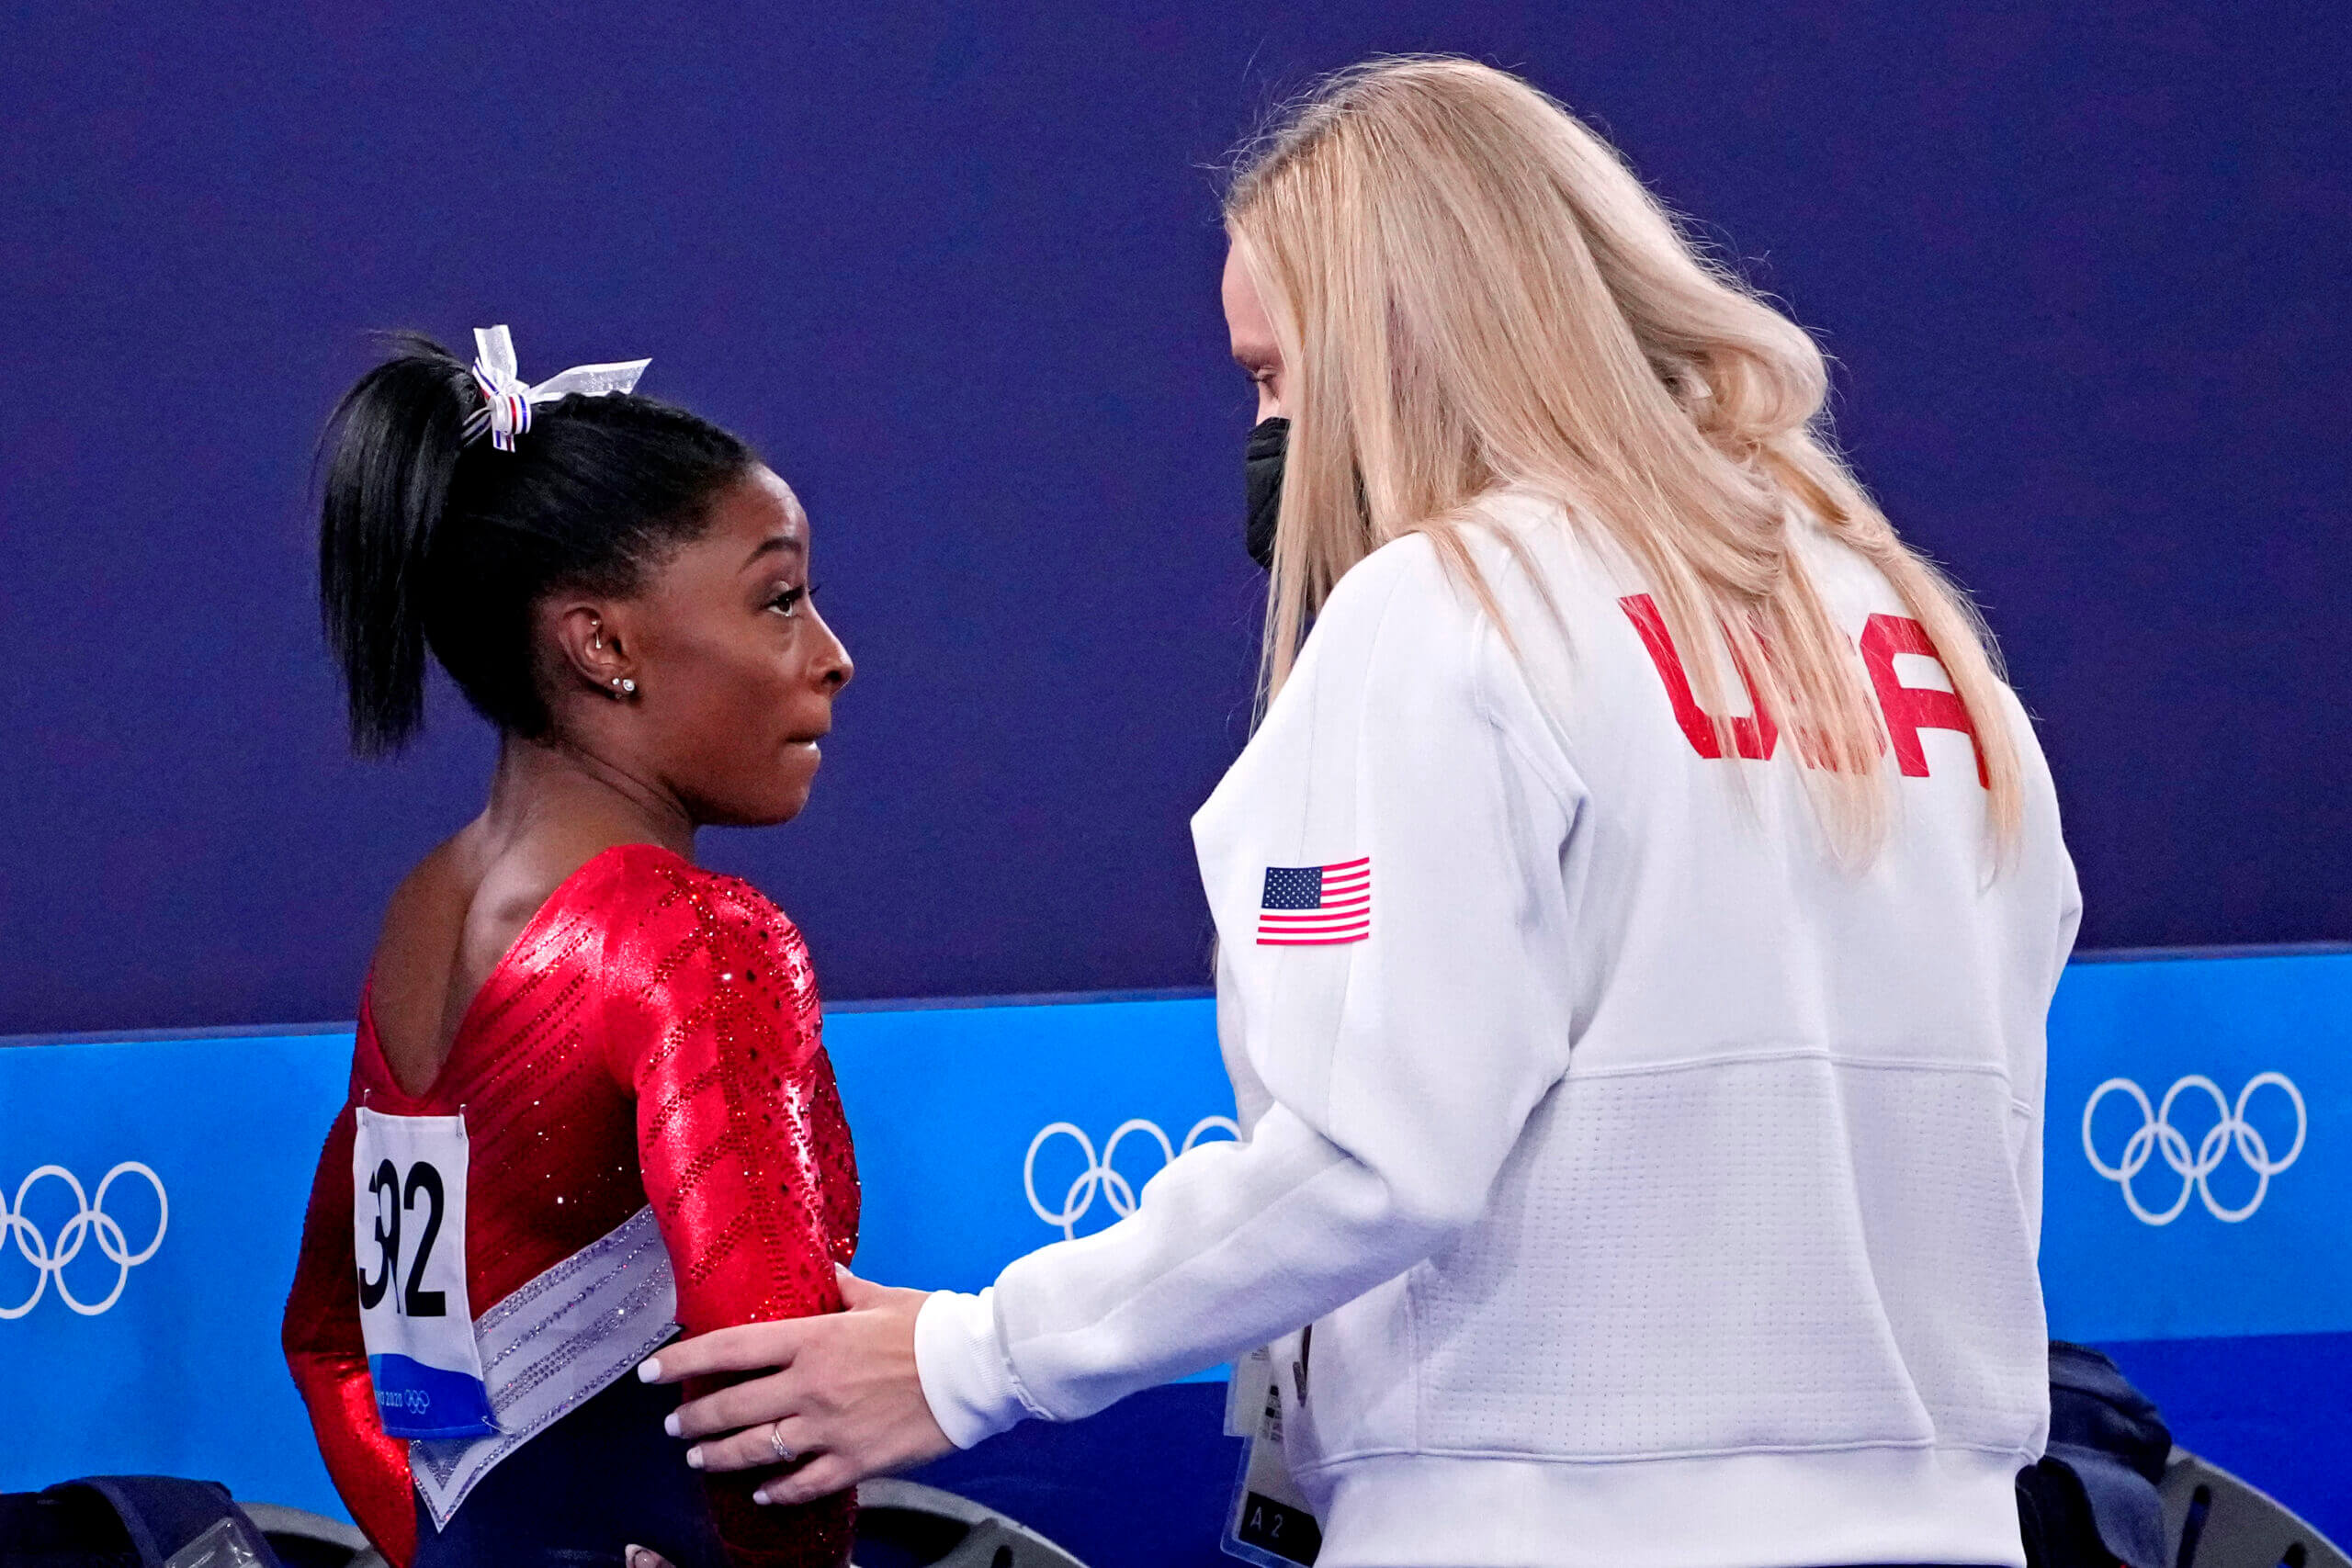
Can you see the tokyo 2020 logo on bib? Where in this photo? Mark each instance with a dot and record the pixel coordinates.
(2231, 1131)
(1099, 1175)
(90, 1224)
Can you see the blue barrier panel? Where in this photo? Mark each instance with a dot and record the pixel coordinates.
(986, 1131)
(2166, 1217)
(958, 1113)
(179, 1373)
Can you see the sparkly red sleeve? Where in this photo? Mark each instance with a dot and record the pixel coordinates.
(328, 1361)
(714, 1019)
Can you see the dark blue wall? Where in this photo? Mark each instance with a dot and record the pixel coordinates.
(954, 268)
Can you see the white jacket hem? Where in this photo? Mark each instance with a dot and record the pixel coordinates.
(1737, 1510)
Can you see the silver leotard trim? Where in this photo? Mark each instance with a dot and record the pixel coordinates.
(568, 1335)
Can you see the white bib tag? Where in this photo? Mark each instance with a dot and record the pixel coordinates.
(1269, 1523)
(408, 1231)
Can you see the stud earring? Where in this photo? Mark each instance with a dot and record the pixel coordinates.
(622, 688)
(629, 688)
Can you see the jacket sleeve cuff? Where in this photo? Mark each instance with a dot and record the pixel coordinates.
(965, 1379)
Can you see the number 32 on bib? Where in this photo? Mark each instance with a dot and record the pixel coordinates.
(408, 1231)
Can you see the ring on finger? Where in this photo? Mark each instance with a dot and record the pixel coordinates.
(775, 1441)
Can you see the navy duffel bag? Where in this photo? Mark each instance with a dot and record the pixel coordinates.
(130, 1521)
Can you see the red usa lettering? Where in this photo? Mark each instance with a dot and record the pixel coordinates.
(1910, 709)
(1906, 710)
(1755, 738)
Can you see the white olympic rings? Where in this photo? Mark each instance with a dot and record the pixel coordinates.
(90, 1220)
(2157, 1136)
(1099, 1176)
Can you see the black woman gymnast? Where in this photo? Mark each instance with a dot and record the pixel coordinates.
(589, 1102)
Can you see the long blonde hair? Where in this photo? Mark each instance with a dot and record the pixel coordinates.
(1471, 289)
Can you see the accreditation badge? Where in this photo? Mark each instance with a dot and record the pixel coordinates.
(408, 1231)
(1269, 1523)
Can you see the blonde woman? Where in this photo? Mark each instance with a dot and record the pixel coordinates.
(1638, 909)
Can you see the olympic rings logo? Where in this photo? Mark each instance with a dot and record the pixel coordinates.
(90, 1222)
(1099, 1176)
(2156, 1136)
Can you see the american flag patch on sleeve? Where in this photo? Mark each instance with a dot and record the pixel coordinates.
(1315, 906)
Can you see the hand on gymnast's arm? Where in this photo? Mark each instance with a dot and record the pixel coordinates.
(842, 1395)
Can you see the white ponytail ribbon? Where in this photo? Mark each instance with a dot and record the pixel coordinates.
(510, 397)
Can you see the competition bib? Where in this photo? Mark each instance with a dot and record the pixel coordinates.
(408, 1231)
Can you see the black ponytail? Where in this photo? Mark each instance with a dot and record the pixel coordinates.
(393, 446)
(428, 540)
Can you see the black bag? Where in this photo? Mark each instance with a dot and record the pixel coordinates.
(2092, 1502)
(125, 1521)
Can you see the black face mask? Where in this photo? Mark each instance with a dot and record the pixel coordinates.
(1269, 446)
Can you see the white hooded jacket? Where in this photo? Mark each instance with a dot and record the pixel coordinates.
(1658, 1190)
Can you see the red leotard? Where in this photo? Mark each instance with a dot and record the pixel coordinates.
(651, 1037)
